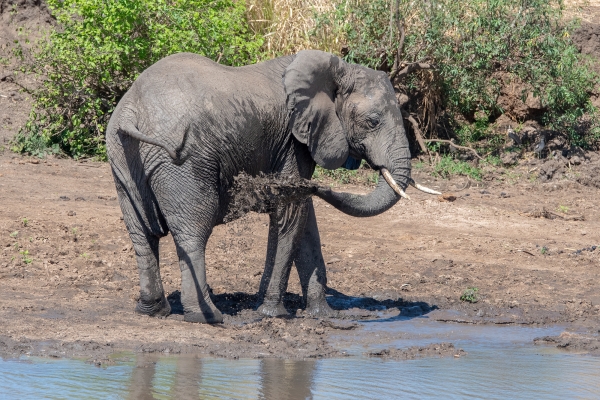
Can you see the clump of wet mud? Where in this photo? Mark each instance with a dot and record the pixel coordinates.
(280, 338)
(572, 342)
(264, 193)
(433, 350)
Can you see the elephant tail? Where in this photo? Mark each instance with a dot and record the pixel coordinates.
(130, 129)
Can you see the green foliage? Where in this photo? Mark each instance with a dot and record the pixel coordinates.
(470, 295)
(14, 234)
(101, 46)
(25, 256)
(363, 175)
(492, 160)
(447, 166)
(419, 165)
(340, 175)
(478, 47)
(480, 129)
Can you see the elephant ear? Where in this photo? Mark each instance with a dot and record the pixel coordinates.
(311, 87)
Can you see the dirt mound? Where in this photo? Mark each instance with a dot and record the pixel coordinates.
(16, 7)
(432, 350)
(587, 39)
(264, 193)
(573, 342)
(578, 166)
(23, 22)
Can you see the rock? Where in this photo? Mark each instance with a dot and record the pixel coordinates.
(509, 159)
(447, 197)
(549, 169)
(534, 103)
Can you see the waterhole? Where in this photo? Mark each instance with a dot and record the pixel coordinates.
(498, 362)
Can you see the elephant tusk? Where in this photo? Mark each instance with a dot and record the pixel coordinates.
(390, 180)
(422, 188)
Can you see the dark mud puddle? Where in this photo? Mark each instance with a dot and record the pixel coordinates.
(497, 362)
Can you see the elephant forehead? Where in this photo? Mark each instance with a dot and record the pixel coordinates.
(369, 81)
(374, 101)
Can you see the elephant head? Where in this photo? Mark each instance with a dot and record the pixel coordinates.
(339, 109)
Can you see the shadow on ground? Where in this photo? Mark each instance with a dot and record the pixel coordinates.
(349, 306)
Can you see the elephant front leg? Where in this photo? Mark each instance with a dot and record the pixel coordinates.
(152, 300)
(311, 269)
(285, 231)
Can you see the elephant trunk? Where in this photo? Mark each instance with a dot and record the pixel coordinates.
(379, 200)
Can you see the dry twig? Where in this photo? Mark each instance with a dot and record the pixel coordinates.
(451, 143)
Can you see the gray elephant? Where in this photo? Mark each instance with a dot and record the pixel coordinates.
(188, 126)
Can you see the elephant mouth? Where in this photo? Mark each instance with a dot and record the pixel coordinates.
(392, 182)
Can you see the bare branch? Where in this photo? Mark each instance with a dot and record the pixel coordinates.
(451, 143)
(400, 30)
(410, 68)
(417, 130)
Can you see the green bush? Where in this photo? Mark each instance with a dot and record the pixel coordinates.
(448, 166)
(470, 295)
(98, 49)
(477, 47)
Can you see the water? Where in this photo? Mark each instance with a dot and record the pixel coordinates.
(501, 363)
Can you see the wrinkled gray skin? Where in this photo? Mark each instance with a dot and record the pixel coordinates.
(280, 116)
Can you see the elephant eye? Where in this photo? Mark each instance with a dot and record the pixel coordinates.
(373, 120)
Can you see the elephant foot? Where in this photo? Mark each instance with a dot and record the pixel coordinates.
(153, 308)
(214, 317)
(273, 310)
(321, 309)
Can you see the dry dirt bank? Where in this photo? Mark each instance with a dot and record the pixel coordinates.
(68, 280)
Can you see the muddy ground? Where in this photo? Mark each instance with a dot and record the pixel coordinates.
(526, 237)
(69, 281)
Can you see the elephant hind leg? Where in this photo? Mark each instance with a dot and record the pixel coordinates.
(152, 300)
(195, 297)
(190, 208)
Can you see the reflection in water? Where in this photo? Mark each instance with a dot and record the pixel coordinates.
(180, 382)
(182, 378)
(187, 378)
(500, 373)
(286, 379)
(141, 378)
(501, 363)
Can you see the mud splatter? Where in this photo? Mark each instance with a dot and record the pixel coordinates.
(264, 193)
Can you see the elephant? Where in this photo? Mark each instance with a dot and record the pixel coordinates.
(187, 126)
